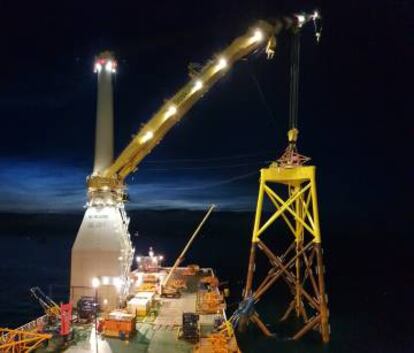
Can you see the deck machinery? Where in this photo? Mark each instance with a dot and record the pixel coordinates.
(102, 253)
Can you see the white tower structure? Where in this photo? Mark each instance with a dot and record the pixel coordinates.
(102, 253)
(105, 67)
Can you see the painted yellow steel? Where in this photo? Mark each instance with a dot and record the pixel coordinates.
(19, 341)
(299, 209)
(177, 106)
(293, 135)
(292, 192)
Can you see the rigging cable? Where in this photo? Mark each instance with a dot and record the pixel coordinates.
(217, 183)
(259, 89)
(262, 96)
(210, 159)
(228, 166)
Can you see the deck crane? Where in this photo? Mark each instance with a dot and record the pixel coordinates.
(49, 306)
(260, 36)
(165, 287)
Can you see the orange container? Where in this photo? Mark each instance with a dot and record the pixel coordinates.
(121, 326)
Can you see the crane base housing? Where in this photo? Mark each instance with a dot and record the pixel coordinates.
(101, 256)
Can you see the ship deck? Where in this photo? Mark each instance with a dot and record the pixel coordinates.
(155, 333)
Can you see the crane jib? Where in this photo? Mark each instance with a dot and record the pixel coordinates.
(260, 36)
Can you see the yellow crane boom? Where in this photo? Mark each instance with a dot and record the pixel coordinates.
(262, 35)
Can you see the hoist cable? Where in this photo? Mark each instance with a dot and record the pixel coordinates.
(294, 80)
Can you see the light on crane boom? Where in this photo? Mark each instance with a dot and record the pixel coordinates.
(221, 64)
(301, 20)
(257, 36)
(172, 109)
(198, 85)
(147, 136)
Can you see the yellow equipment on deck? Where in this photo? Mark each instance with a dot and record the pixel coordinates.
(209, 302)
(223, 341)
(49, 306)
(19, 341)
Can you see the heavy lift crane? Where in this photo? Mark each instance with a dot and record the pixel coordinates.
(108, 183)
(300, 182)
(102, 252)
(262, 35)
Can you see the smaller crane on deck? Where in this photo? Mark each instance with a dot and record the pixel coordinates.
(166, 289)
(50, 308)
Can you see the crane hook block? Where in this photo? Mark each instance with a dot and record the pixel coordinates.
(271, 47)
(293, 135)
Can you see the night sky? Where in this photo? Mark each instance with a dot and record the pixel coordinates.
(353, 117)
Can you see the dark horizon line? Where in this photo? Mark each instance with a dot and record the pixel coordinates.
(133, 210)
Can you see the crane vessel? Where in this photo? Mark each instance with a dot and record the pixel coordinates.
(161, 309)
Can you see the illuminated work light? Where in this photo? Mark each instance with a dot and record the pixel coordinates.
(198, 85)
(221, 64)
(257, 36)
(110, 66)
(147, 136)
(301, 20)
(98, 67)
(172, 109)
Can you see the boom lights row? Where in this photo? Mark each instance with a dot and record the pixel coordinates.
(110, 66)
(221, 64)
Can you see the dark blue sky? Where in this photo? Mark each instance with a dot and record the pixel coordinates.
(353, 115)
